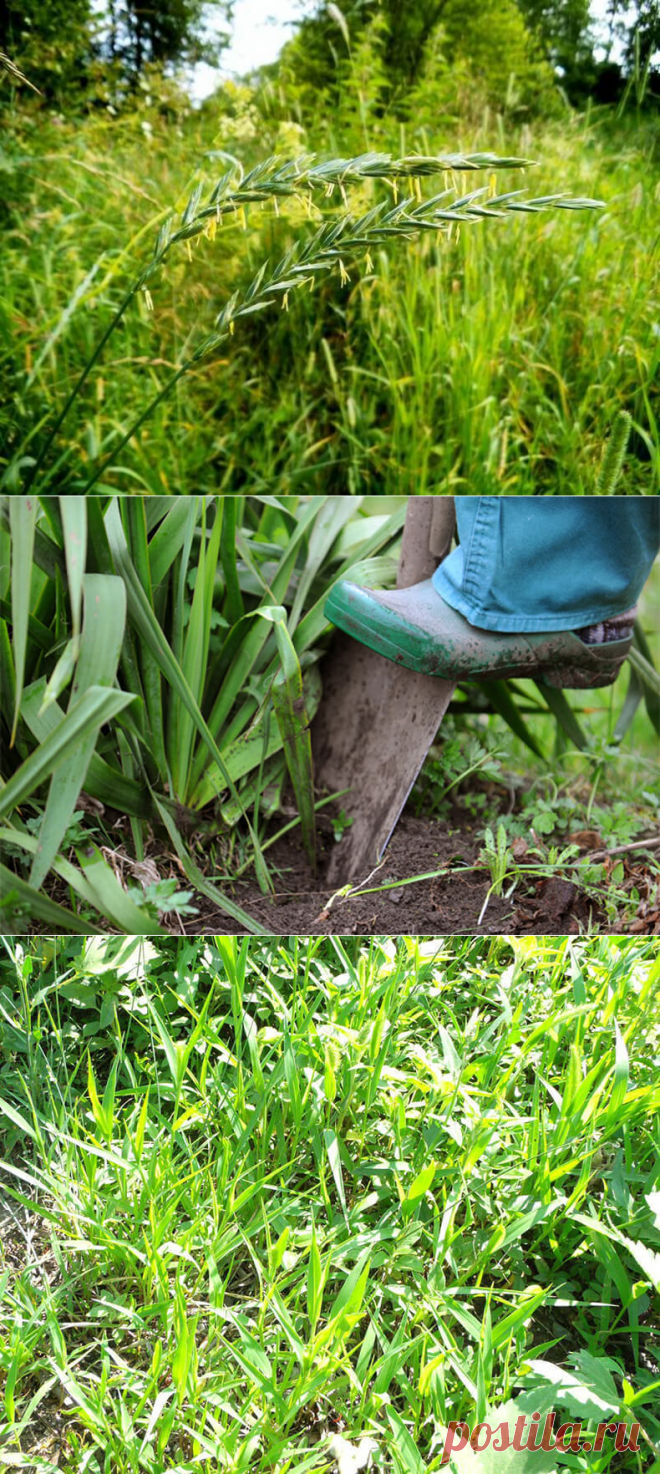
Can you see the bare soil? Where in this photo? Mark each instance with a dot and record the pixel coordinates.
(449, 904)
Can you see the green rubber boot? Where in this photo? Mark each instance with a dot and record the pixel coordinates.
(416, 628)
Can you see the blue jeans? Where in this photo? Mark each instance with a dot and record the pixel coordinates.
(535, 563)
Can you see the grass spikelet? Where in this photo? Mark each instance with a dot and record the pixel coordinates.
(614, 455)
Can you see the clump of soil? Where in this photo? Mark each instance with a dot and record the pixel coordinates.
(449, 904)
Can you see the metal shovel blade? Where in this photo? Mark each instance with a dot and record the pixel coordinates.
(383, 721)
(377, 720)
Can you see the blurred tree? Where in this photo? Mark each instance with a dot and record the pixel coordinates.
(491, 37)
(564, 27)
(140, 33)
(49, 39)
(639, 33)
(61, 44)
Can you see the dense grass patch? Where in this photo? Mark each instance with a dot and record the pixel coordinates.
(493, 362)
(256, 1193)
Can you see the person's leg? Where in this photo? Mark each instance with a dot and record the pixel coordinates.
(537, 586)
(548, 563)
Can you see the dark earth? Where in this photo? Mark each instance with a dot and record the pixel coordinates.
(449, 904)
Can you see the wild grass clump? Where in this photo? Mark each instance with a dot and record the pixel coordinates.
(462, 360)
(255, 1194)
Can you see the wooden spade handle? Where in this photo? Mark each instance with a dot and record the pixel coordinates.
(427, 536)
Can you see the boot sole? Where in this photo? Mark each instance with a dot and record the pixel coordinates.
(370, 630)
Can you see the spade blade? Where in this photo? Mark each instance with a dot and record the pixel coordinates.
(372, 733)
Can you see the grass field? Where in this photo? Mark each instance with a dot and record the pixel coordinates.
(492, 362)
(257, 1196)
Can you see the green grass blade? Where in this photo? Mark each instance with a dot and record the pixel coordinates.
(135, 517)
(38, 907)
(234, 606)
(7, 672)
(247, 643)
(293, 722)
(634, 695)
(563, 712)
(196, 649)
(502, 701)
(149, 630)
(22, 519)
(103, 781)
(97, 706)
(100, 646)
(74, 529)
(651, 695)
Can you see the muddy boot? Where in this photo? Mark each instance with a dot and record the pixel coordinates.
(416, 628)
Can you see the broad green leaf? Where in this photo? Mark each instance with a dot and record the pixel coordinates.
(418, 1188)
(234, 606)
(250, 636)
(293, 722)
(134, 514)
(246, 753)
(170, 536)
(500, 1453)
(62, 673)
(332, 518)
(587, 1389)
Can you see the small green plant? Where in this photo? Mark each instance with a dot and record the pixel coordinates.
(161, 898)
(500, 861)
(340, 823)
(459, 755)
